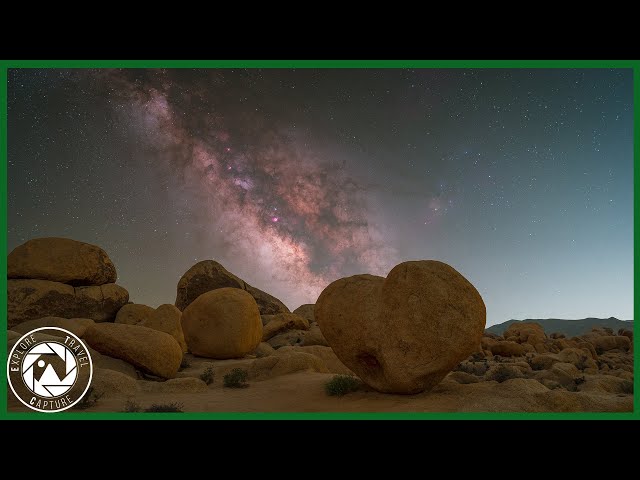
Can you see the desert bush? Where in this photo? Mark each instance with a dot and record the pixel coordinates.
(207, 376)
(627, 386)
(341, 385)
(88, 400)
(132, 407)
(236, 378)
(186, 363)
(165, 407)
(502, 373)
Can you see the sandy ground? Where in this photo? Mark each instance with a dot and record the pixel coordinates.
(304, 392)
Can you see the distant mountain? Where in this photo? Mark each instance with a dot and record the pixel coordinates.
(570, 328)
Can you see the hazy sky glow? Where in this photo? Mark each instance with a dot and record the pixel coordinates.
(522, 180)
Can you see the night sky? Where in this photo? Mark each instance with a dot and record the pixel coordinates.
(522, 180)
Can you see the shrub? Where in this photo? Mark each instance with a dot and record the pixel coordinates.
(207, 376)
(88, 400)
(341, 385)
(503, 373)
(132, 407)
(165, 407)
(627, 386)
(236, 378)
(186, 363)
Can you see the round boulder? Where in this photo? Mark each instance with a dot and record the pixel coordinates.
(61, 260)
(167, 318)
(149, 350)
(222, 323)
(405, 333)
(507, 349)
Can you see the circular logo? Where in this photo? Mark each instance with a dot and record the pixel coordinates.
(49, 369)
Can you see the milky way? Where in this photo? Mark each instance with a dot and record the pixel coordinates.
(520, 179)
(298, 219)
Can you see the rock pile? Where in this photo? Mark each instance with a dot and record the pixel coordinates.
(61, 277)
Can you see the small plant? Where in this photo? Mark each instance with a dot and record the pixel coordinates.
(627, 386)
(165, 407)
(340, 385)
(186, 363)
(503, 373)
(88, 400)
(207, 376)
(236, 378)
(132, 407)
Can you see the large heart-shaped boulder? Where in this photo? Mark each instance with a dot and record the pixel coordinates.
(402, 334)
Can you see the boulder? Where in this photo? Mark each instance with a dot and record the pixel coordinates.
(326, 354)
(578, 357)
(110, 383)
(543, 361)
(264, 350)
(77, 326)
(284, 363)
(526, 332)
(267, 304)
(283, 322)
(149, 350)
(508, 349)
(210, 275)
(133, 313)
(291, 337)
(462, 377)
(402, 334)
(605, 343)
(314, 337)
(503, 372)
(622, 331)
(222, 323)
(61, 260)
(306, 311)
(565, 373)
(32, 299)
(167, 318)
(105, 361)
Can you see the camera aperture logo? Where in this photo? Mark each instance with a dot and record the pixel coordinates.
(49, 369)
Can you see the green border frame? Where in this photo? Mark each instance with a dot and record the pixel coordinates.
(6, 64)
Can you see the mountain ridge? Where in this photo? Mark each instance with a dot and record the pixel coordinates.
(570, 328)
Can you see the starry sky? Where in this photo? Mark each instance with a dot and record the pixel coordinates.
(520, 179)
